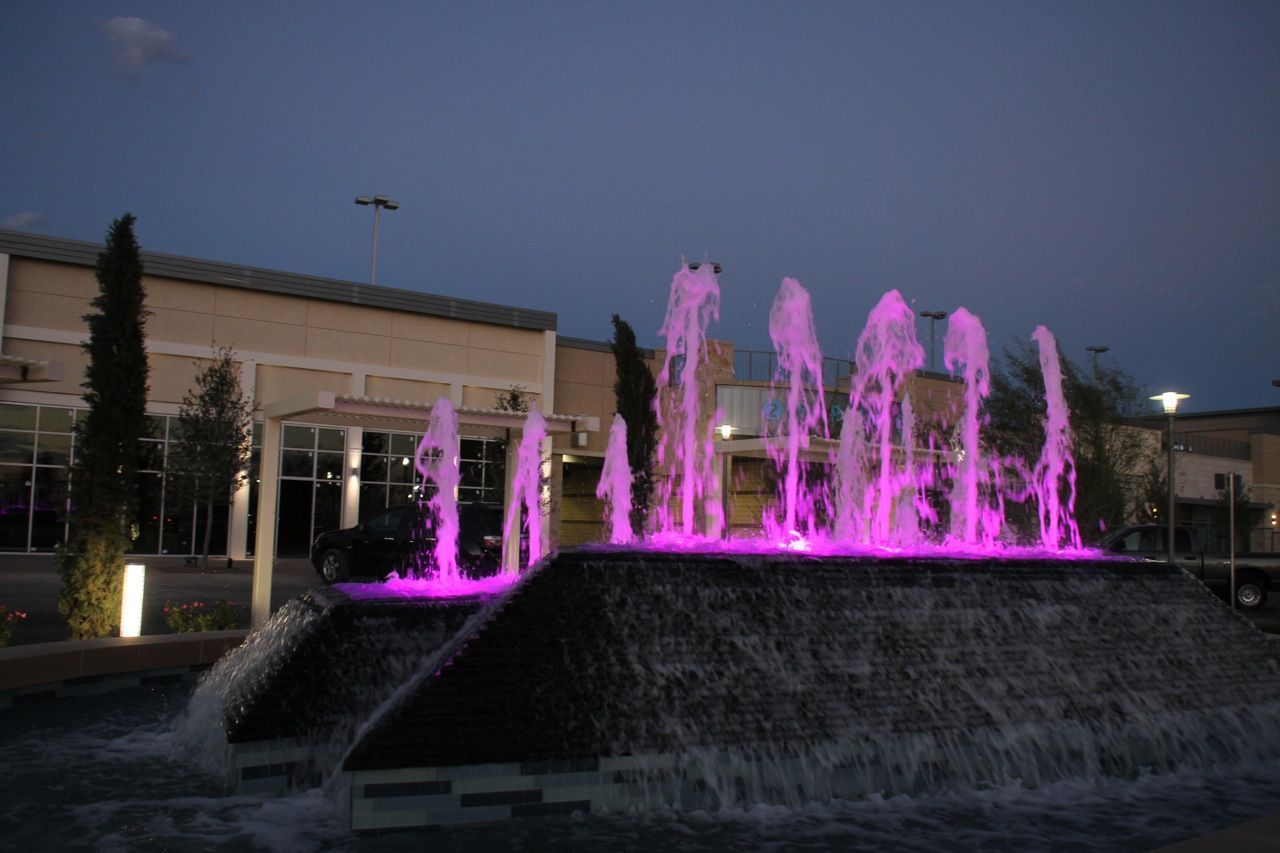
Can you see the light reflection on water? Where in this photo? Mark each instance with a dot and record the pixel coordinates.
(101, 773)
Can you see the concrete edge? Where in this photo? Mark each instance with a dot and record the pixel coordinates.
(49, 667)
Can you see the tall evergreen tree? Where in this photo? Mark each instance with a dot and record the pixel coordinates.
(104, 477)
(210, 458)
(634, 389)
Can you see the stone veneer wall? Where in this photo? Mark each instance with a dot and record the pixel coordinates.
(626, 679)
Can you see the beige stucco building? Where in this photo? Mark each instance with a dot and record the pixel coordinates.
(294, 337)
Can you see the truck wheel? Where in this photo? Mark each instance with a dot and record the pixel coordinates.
(1250, 594)
(333, 566)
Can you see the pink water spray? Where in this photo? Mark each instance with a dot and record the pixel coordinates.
(1056, 468)
(887, 352)
(795, 340)
(614, 487)
(973, 520)
(437, 462)
(693, 303)
(527, 483)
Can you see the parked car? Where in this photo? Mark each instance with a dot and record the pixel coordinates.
(395, 538)
(1256, 574)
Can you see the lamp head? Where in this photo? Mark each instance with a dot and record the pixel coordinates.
(725, 431)
(1170, 399)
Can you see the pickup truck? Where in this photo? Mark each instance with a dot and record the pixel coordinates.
(1256, 574)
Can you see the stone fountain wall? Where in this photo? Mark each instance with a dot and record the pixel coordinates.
(610, 680)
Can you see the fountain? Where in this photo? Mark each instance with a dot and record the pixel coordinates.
(615, 485)
(871, 662)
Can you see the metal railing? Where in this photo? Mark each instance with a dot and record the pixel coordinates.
(762, 366)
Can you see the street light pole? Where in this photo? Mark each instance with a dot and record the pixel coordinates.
(1169, 400)
(378, 202)
(934, 317)
(1097, 351)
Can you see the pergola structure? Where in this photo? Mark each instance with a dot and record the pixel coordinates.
(328, 408)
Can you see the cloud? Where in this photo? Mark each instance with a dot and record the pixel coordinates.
(23, 220)
(136, 43)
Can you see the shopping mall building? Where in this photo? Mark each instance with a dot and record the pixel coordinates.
(343, 376)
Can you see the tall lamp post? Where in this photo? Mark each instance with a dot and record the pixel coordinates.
(1169, 400)
(378, 202)
(934, 317)
(1097, 351)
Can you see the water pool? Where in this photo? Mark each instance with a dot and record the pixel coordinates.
(102, 773)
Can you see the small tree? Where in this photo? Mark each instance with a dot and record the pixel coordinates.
(1111, 456)
(104, 478)
(514, 399)
(210, 458)
(634, 390)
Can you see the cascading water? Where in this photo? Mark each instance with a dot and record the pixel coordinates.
(800, 368)
(614, 487)
(437, 462)
(693, 303)
(1056, 470)
(527, 484)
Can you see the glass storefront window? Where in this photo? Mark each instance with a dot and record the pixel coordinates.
(16, 446)
(298, 436)
(57, 420)
(17, 416)
(53, 449)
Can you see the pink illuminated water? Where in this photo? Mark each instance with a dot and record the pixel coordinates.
(693, 303)
(1055, 471)
(437, 462)
(887, 352)
(883, 469)
(614, 487)
(800, 367)
(976, 508)
(527, 484)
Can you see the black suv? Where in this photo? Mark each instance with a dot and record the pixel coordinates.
(390, 540)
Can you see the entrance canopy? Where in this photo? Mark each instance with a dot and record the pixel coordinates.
(326, 407)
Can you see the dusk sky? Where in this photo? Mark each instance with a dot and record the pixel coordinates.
(1110, 170)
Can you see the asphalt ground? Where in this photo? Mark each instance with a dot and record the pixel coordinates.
(30, 583)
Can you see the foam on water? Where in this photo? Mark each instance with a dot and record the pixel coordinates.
(95, 773)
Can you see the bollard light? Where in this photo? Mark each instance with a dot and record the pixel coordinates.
(131, 604)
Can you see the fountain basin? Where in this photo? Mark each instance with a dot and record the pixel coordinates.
(632, 679)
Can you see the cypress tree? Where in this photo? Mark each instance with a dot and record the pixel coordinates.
(104, 476)
(634, 389)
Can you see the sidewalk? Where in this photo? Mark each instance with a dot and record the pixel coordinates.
(30, 582)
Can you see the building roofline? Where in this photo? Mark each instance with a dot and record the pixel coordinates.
(82, 253)
(594, 346)
(1217, 413)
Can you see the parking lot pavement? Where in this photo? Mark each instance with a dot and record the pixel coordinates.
(30, 583)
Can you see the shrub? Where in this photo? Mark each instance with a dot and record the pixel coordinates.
(199, 616)
(8, 619)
